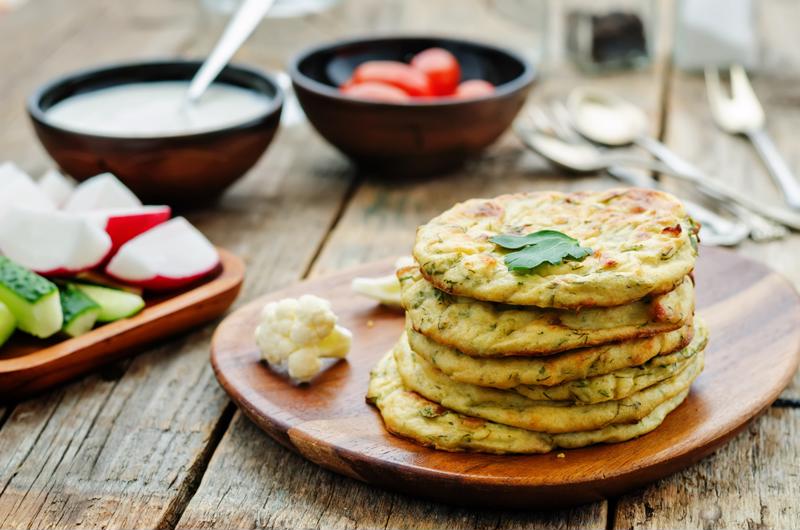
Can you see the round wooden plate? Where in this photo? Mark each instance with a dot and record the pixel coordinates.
(753, 314)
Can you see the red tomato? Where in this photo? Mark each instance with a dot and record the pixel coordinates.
(442, 69)
(410, 80)
(375, 92)
(474, 88)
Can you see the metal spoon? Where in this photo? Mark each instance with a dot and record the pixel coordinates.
(611, 120)
(241, 25)
(715, 230)
(586, 158)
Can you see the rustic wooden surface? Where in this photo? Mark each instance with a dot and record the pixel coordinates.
(154, 442)
(331, 424)
(28, 368)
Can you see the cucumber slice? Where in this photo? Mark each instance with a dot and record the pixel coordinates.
(80, 311)
(33, 300)
(7, 323)
(114, 304)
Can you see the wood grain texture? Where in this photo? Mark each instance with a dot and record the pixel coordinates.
(747, 483)
(275, 218)
(276, 488)
(752, 482)
(691, 132)
(127, 452)
(380, 221)
(30, 366)
(126, 448)
(329, 423)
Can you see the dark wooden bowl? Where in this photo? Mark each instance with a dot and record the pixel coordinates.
(415, 138)
(181, 170)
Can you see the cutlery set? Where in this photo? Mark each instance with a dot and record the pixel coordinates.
(583, 134)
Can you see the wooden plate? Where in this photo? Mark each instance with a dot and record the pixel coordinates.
(29, 365)
(753, 315)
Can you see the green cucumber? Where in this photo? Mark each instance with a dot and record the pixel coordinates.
(7, 323)
(33, 300)
(80, 311)
(114, 303)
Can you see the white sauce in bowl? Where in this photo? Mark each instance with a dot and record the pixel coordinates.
(154, 109)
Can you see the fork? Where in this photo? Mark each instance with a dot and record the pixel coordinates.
(742, 114)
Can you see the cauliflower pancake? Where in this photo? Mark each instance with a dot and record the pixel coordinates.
(642, 242)
(487, 329)
(409, 415)
(573, 365)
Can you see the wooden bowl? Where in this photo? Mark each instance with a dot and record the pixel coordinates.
(180, 170)
(414, 138)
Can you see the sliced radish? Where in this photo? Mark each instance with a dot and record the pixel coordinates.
(126, 223)
(17, 188)
(169, 256)
(101, 192)
(52, 243)
(56, 186)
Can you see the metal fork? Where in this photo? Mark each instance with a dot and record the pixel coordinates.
(742, 114)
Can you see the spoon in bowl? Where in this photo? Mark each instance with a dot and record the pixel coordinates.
(241, 25)
(610, 120)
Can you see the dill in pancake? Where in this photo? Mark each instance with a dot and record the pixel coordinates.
(643, 243)
(409, 415)
(573, 365)
(511, 408)
(486, 329)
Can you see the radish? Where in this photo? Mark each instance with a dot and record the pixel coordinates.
(56, 186)
(126, 223)
(101, 192)
(169, 256)
(17, 188)
(52, 243)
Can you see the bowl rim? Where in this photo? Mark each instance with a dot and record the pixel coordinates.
(38, 115)
(528, 75)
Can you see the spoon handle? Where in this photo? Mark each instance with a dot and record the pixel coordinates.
(712, 187)
(721, 191)
(761, 229)
(780, 171)
(241, 25)
(715, 230)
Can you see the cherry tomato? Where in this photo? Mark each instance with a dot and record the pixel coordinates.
(412, 81)
(375, 92)
(474, 88)
(442, 69)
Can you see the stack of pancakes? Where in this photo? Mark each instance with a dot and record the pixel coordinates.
(584, 351)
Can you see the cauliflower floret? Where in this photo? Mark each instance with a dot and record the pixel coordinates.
(296, 332)
(384, 289)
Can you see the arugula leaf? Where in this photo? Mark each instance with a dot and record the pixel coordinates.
(544, 246)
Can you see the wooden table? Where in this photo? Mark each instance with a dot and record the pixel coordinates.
(154, 442)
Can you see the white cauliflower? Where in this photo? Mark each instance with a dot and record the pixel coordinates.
(384, 289)
(295, 333)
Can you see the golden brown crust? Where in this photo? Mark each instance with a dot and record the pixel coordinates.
(573, 365)
(409, 415)
(511, 408)
(486, 329)
(642, 241)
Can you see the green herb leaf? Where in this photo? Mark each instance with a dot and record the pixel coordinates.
(544, 246)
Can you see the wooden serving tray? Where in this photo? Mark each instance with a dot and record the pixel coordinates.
(29, 365)
(753, 315)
